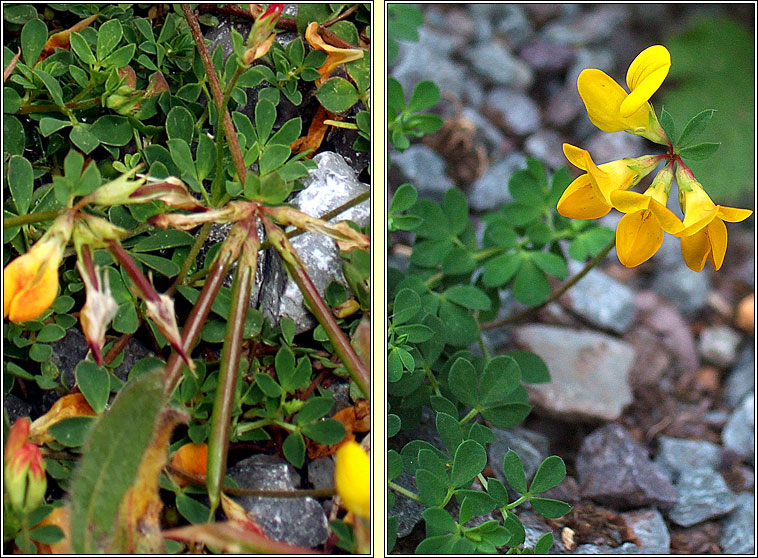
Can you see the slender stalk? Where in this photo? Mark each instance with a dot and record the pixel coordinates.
(471, 414)
(218, 441)
(18, 220)
(405, 492)
(191, 257)
(557, 294)
(296, 269)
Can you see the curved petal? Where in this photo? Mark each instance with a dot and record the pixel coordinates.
(716, 232)
(666, 218)
(629, 202)
(645, 75)
(16, 275)
(733, 214)
(602, 97)
(37, 296)
(695, 250)
(638, 237)
(696, 226)
(576, 155)
(581, 200)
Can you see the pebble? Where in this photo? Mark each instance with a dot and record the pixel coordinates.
(741, 379)
(626, 548)
(563, 107)
(615, 470)
(327, 187)
(295, 521)
(490, 190)
(598, 58)
(676, 455)
(702, 494)
(321, 472)
(547, 146)
(531, 447)
(546, 56)
(591, 26)
(589, 372)
(16, 408)
(424, 168)
(745, 316)
(650, 529)
(718, 344)
(487, 132)
(737, 528)
(686, 289)
(495, 63)
(535, 527)
(407, 511)
(514, 111)
(606, 147)
(602, 300)
(739, 433)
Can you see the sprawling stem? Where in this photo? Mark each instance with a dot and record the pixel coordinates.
(296, 269)
(218, 441)
(18, 220)
(557, 294)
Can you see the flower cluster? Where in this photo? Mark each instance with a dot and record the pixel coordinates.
(640, 232)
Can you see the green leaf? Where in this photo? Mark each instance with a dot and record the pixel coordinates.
(461, 379)
(337, 95)
(431, 490)
(695, 127)
(667, 123)
(11, 100)
(544, 544)
(109, 464)
(360, 71)
(72, 432)
(439, 520)
(121, 57)
(461, 329)
(14, 139)
(550, 473)
(506, 416)
(288, 133)
(293, 449)
(550, 263)
(468, 297)
(81, 48)
(108, 36)
(47, 534)
(699, 151)
(94, 383)
(21, 182)
(425, 95)
(33, 39)
(193, 511)
(268, 385)
(530, 287)
(470, 459)
(163, 240)
(48, 126)
(180, 125)
(52, 86)
(406, 306)
(161, 265)
(314, 409)
(547, 507)
(513, 469)
(480, 503)
(265, 116)
(501, 376)
(83, 139)
(405, 196)
(500, 269)
(393, 425)
(525, 188)
(112, 130)
(273, 157)
(497, 492)
(327, 431)
(450, 431)
(50, 333)
(285, 368)
(533, 368)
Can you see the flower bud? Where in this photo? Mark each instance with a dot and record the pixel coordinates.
(352, 478)
(30, 282)
(100, 307)
(25, 480)
(17, 437)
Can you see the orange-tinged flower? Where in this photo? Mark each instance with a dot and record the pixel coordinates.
(71, 405)
(588, 197)
(640, 232)
(191, 459)
(25, 480)
(18, 434)
(612, 109)
(703, 236)
(352, 478)
(30, 282)
(335, 56)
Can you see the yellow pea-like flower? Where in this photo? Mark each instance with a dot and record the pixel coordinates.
(639, 234)
(352, 478)
(612, 109)
(703, 236)
(588, 197)
(334, 55)
(30, 282)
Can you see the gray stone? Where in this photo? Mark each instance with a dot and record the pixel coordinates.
(514, 111)
(332, 184)
(602, 300)
(739, 433)
(490, 190)
(718, 344)
(487, 132)
(702, 494)
(615, 470)
(535, 527)
(15, 408)
(676, 455)
(737, 528)
(601, 59)
(592, 26)
(341, 391)
(686, 289)
(295, 521)
(563, 107)
(134, 351)
(650, 529)
(606, 147)
(626, 548)
(407, 511)
(741, 380)
(547, 146)
(546, 56)
(495, 63)
(321, 472)
(530, 446)
(588, 370)
(67, 353)
(508, 20)
(425, 169)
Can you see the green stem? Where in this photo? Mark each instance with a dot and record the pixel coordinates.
(432, 380)
(482, 480)
(514, 504)
(471, 414)
(218, 440)
(18, 220)
(405, 492)
(556, 294)
(191, 257)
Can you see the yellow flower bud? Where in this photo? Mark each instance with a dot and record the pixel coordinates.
(352, 478)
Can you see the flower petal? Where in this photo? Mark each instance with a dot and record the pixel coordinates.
(638, 237)
(37, 296)
(581, 200)
(629, 202)
(645, 75)
(733, 214)
(576, 155)
(667, 219)
(716, 232)
(602, 97)
(695, 249)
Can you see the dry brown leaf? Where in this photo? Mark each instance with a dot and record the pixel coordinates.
(9, 70)
(316, 133)
(62, 39)
(73, 405)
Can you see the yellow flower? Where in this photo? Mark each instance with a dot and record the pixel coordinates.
(335, 56)
(588, 197)
(30, 282)
(703, 235)
(352, 478)
(640, 232)
(612, 109)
